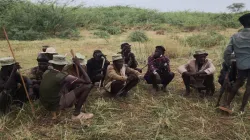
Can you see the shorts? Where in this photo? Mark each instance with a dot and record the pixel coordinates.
(67, 100)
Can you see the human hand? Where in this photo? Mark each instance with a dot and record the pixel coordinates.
(16, 66)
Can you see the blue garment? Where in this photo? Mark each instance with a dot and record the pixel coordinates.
(240, 45)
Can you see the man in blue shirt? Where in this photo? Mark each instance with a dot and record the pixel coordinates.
(240, 45)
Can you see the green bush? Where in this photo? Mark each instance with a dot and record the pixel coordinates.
(113, 30)
(209, 39)
(102, 34)
(25, 20)
(138, 36)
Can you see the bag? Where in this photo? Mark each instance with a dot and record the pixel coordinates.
(5, 101)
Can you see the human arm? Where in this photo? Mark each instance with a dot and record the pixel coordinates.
(113, 75)
(228, 51)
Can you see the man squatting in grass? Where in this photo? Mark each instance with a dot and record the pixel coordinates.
(11, 86)
(129, 57)
(120, 79)
(59, 90)
(94, 67)
(240, 45)
(159, 69)
(36, 73)
(198, 73)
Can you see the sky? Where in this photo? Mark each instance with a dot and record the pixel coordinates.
(170, 5)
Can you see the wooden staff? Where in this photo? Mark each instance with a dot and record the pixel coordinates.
(24, 85)
(73, 55)
(103, 62)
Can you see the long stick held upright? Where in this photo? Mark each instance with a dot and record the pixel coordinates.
(24, 85)
(73, 55)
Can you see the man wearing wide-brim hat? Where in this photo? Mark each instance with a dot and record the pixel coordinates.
(120, 79)
(59, 90)
(240, 45)
(198, 73)
(71, 68)
(11, 84)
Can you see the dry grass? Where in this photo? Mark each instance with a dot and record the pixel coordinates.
(139, 116)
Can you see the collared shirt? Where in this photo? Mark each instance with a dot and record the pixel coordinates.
(192, 66)
(158, 64)
(113, 74)
(240, 45)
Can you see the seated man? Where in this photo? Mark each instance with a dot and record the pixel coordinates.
(59, 90)
(129, 57)
(159, 70)
(198, 73)
(71, 68)
(120, 78)
(36, 73)
(11, 84)
(95, 68)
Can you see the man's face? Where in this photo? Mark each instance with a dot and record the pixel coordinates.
(127, 49)
(43, 66)
(119, 64)
(157, 53)
(201, 59)
(58, 67)
(98, 56)
(8, 68)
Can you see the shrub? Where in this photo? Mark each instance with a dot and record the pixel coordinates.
(209, 39)
(102, 34)
(138, 36)
(113, 30)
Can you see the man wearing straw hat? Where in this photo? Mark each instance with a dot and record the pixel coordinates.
(120, 79)
(71, 68)
(97, 66)
(198, 73)
(240, 45)
(59, 90)
(10, 82)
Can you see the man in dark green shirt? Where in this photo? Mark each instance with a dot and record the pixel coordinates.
(59, 90)
(240, 45)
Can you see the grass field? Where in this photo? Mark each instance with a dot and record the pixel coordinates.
(141, 115)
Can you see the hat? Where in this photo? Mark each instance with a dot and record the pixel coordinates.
(117, 57)
(50, 50)
(6, 61)
(200, 52)
(59, 60)
(245, 19)
(160, 47)
(124, 45)
(81, 58)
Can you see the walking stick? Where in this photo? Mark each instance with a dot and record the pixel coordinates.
(73, 55)
(24, 85)
(103, 62)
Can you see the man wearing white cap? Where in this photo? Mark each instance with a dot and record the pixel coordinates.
(59, 90)
(119, 78)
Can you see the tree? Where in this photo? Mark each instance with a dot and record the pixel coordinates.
(236, 7)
